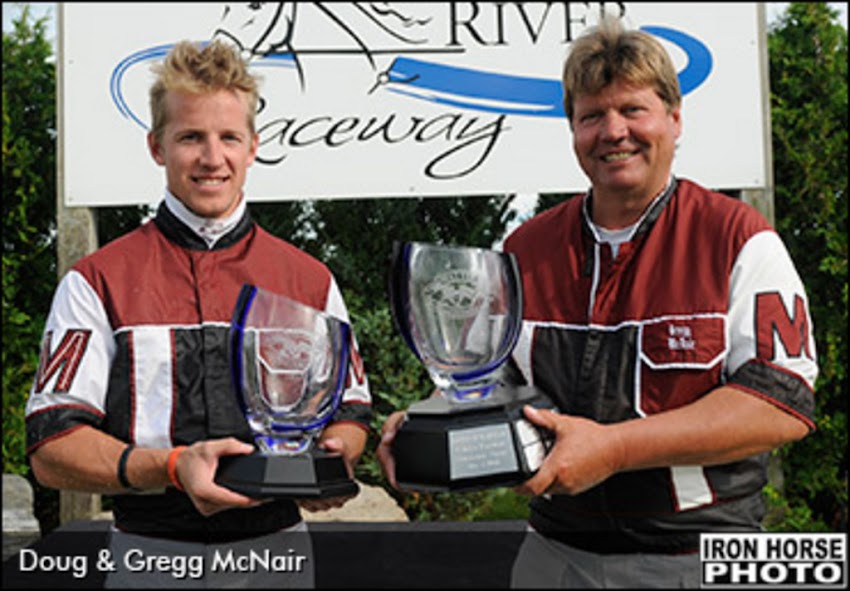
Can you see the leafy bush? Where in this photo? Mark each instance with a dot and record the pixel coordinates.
(28, 192)
(808, 73)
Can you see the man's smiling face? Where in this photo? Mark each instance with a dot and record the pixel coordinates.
(625, 139)
(206, 148)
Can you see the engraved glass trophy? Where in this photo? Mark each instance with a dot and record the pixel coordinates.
(460, 310)
(289, 364)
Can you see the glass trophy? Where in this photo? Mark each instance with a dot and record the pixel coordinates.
(289, 364)
(459, 309)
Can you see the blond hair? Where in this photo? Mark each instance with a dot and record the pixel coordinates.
(608, 53)
(197, 69)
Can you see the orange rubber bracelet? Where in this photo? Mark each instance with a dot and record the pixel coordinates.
(172, 466)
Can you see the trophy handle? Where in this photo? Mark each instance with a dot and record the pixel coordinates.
(237, 334)
(399, 292)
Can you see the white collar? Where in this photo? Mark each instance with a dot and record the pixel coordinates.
(208, 229)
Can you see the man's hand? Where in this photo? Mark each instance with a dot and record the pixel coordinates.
(725, 425)
(196, 468)
(333, 445)
(348, 440)
(384, 451)
(584, 454)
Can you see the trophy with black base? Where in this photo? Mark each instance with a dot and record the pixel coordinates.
(459, 309)
(289, 364)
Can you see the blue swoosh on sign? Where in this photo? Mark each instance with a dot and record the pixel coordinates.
(475, 89)
(463, 87)
(116, 81)
(700, 62)
(519, 95)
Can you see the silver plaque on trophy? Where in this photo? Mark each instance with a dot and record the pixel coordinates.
(289, 364)
(459, 309)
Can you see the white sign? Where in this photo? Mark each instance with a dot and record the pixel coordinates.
(372, 99)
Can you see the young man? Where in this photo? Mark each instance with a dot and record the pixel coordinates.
(669, 326)
(133, 391)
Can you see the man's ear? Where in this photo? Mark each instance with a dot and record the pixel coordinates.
(155, 149)
(676, 114)
(255, 145)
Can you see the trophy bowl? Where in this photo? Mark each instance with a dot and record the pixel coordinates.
(289, 364)
(459, 309)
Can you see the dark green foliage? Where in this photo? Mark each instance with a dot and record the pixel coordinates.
(29, 267)
(808, 77)
(549, 200)
(29, 188)
(113, 222)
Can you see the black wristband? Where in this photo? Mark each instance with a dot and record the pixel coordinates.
(122, 469)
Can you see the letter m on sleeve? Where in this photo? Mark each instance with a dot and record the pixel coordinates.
(772, 318)
(63, 362)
